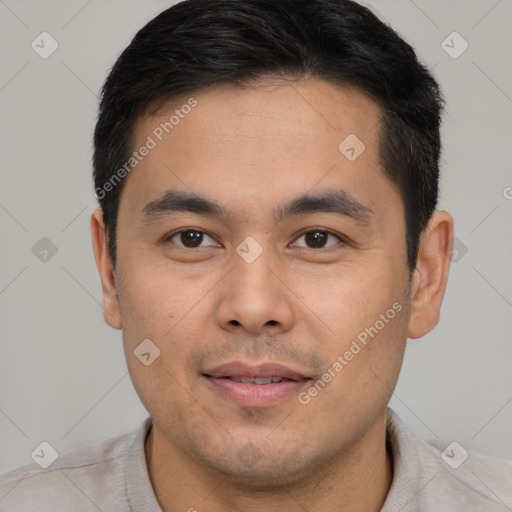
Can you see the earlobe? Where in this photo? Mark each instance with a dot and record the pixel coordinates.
(431, 274)
(111, 312)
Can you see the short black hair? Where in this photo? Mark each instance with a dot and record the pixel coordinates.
(196, 44)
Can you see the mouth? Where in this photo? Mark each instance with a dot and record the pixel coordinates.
(257, 380)
(255, 386)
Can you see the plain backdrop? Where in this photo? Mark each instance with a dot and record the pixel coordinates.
(63, 376)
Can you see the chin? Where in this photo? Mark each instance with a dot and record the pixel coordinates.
(254, 468)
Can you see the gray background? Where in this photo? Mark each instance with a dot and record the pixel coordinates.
(63, 377)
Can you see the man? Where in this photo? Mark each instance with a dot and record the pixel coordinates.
(267, 241)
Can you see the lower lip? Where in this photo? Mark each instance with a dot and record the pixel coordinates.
(256, 395)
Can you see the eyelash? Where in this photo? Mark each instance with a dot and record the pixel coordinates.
(329, 248)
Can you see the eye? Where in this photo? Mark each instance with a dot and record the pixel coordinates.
(317, 239)
(189, 238)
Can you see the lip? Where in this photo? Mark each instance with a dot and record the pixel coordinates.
(240, 369)
(251, 394)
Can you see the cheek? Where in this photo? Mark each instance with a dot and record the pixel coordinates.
(367, 314)
(155, 300)
(156, 308)
(364, 368)
(348, 299)
(159, 307)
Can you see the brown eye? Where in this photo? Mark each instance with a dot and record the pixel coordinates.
(190, 238)
(317, 239)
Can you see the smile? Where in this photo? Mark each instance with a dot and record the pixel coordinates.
(255, 386)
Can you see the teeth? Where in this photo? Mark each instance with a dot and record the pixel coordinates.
(256, 380)
(263, 380)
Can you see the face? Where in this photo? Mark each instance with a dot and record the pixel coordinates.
(255, 280)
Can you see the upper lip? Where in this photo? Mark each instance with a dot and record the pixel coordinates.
(239, 369)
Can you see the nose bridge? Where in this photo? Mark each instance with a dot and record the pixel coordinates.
(256, 299)
(252, 263)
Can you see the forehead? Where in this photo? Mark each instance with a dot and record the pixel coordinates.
(247, 145)
(309, 109)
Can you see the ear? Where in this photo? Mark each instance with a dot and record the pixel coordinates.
(111, 312)
(431, 274)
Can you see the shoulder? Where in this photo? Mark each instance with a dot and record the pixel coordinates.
(477, 477)
(438, 475)
(80, 479)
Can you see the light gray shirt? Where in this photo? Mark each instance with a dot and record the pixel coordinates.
(112, 476)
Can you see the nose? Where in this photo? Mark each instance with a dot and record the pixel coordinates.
(255, 297)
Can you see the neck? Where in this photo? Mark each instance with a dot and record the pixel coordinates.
(358, 479)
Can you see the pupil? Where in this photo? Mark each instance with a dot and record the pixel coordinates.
(188, 238)
(316, 238)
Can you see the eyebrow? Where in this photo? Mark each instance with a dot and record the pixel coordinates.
(337, 201)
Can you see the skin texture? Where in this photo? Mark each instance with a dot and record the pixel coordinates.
(253, 150)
